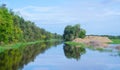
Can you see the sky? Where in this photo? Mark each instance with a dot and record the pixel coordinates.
(98, 17)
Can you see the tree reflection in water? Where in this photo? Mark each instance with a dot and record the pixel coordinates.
(73, 51)
(15, 59)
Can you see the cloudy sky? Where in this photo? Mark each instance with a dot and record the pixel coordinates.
(96, 16)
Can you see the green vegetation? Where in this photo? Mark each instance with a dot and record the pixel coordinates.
(112, 37)
(82, 33)
(14, 28)
(72, 32)
(115, 41)
(75, 44)
(109, 36)
(18, 45)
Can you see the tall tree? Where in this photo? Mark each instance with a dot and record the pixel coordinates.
(6, 25)
(72, 32)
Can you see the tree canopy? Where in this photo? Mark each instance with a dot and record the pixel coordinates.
(72, 32)
(14, 28)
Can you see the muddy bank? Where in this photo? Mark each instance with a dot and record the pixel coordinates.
(95, 41)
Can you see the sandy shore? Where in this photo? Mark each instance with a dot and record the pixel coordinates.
(96, 41)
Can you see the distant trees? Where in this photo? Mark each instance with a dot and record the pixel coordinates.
(72, 32)
(14, 28)
(109, 36)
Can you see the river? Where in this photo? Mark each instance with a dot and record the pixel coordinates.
(55, 56)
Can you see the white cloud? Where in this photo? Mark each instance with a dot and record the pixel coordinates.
(84, 12)
(46, 13)
(36, 8)
(93, 15)
(90, 13)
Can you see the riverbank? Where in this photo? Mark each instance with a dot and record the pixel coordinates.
(115, 41)
(21, 44)
(95, 41)
(75, 44)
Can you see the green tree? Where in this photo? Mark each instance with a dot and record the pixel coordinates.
(68, 33)
(82, 33)
(6, 25)
(72, 32)
(14, 28)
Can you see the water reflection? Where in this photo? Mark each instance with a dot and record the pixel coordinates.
(15, 59)
(73, 51)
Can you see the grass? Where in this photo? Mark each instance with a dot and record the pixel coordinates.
(75, 44)
(21, 44)
(115, 41)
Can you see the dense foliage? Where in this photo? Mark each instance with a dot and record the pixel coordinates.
(72, 32)
(112, 37)
(14, 28)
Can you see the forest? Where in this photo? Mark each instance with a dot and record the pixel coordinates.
(14, 28)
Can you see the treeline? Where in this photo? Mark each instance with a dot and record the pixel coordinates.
(109, 36)
(113, 37)
(72, 32)
(14, 28)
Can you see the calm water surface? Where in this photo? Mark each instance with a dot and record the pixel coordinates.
(57, 58)
(47, 56)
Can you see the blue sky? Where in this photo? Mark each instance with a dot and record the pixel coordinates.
(96, 16)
